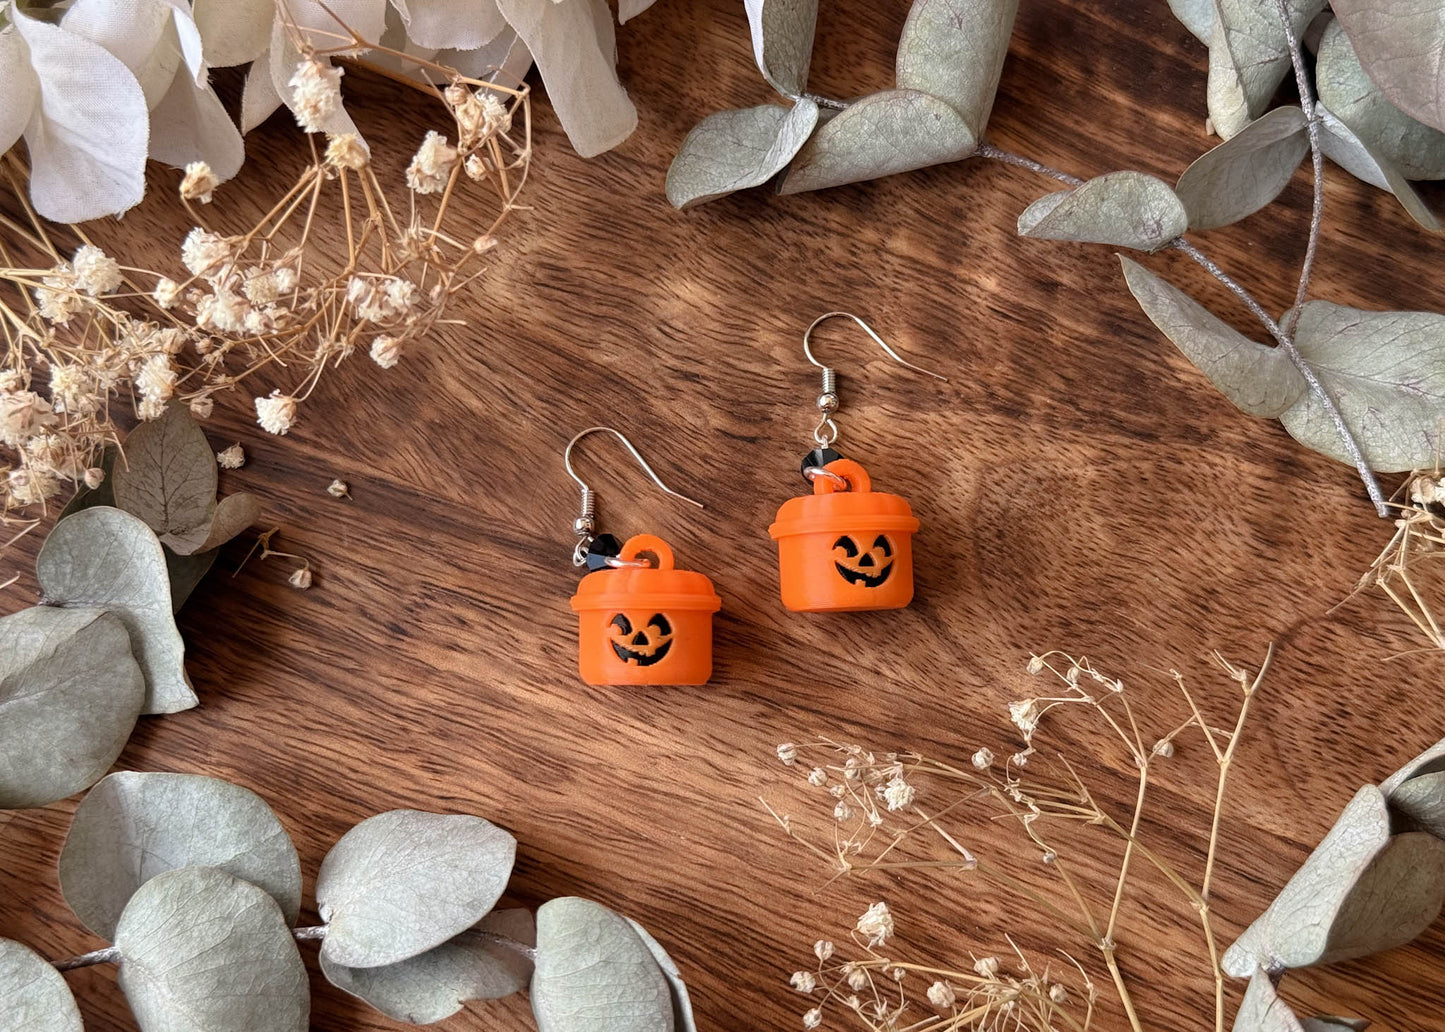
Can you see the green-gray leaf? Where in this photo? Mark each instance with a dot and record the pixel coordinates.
(202, 951)
(134, 826)
(85, 497)
(1261, 380)
(1385, 371)
(1125, 209)
(1342, 146)
(1245, 172)
(1400, 45)
(70, 693)
(682, 1017)
(1249, 38)
(1415, 148)
(1197, 16)
(404, 881)
(433, 985)
(954, 50)
(33, 995)
(734, 150)
(109, 559)
(1361, 891)
(880, 135)
(594, 973)
(168, 478)
(783, 41)
(185, 573)
(1262, 1010)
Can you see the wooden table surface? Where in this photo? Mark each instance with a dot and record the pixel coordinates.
(1080, 486)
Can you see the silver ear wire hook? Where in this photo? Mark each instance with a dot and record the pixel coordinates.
(826, 431)
(585, 525)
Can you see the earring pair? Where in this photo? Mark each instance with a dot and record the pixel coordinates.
(845, 547)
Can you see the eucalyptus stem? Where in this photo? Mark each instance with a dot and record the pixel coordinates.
(1283, 338)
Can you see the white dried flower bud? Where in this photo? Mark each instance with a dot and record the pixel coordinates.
(202, 406)
(983, 759)
(941, 995)
(94, 477)
(315, 94)
(301, 578)
(898, 793)
(277, 413)
(788, 753)
(231, 458)
(386, 351)
(431, 167)
(1036, 664)
(199, 182)
(818, 777)
(338, 489)
(876, 923)
(986, 967)
(346, 150)
(803, 981)
(1164, 748)
(1058, 993)
(96, 272)
(823, 949)
(813, 1018)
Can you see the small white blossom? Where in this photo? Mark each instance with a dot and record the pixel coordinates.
(803, 981)
(941, 995)
(277, 413)
(199, 182)
(432, 166)
(898, 793)
(983, 759)
(96, 272)
(876, 923)
(788, 753)
(315, 94)
(231, 458)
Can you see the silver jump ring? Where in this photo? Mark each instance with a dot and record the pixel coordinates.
(819, 473)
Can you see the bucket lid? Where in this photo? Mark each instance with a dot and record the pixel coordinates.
(832, 508)
(648, 587)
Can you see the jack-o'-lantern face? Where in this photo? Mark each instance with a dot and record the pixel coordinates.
(866, 568)
(643, 646)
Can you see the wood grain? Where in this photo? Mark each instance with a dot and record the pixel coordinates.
(1080, 485)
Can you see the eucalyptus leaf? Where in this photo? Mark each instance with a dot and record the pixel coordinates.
(33, 995)
(134, 826)
(594, 973)
(954, 50)
(1262, 1010)
(880, 135)
(1261, 380)
(1414, 148)
(185, 573)
(682, 1017)
(70, 693)
(1329, 1024)
(1245, 172)
(1340, 144)
(1125, 209)
(734, 150)
(1361, 891)
(1249, 36)
(106, 558)
(202, 951)
(782, 33)
(405, 881)
(168, 478)
(1400, 45)
(432, 986)
(87, 497)
(1386, 373)
(1197, 16)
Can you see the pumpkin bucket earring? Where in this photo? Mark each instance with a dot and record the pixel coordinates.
(845, 546)
(639, 619)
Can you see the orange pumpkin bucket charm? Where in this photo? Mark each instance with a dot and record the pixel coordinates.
(845, 547)
(640, 620)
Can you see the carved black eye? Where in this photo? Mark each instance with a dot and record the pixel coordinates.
(622, 624)
(661, 623)
(881, 543)
(847, 545)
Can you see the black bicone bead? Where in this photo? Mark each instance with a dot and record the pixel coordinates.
(819, 457)
(602, 548)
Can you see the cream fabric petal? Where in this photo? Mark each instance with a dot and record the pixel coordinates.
(577, 60)
(190, 124)
(89, 134)
(234, 32)
(18, 85)
(451, 24)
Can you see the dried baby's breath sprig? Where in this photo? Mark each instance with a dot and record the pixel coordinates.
(894, 812)
(80, 329)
